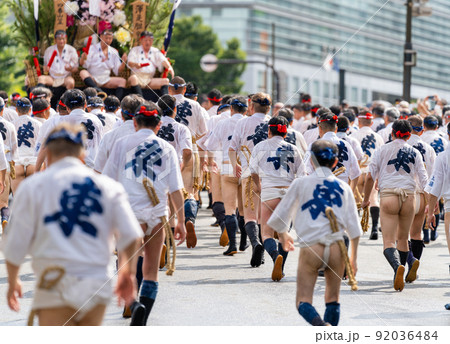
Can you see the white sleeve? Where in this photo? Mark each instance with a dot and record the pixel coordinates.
(421, 171)
(185, 138)
(355, 171)
(235, 143)
(201, 122)
(90, 57)
(175, 178)
(283, 214)
(373, 165)
(299, 166)
(3, 161)
(126, 227)
(112, 168)
(74, 58)
(116, 62)
(254, 160)
(22, 226)
(101, 157)
(14, 145)
(352, 222)
(436, 182)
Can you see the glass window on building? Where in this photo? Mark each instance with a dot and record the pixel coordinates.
(354, 96)
(364, 96)
(216, 12)
(316, 89)
(335, 91)
(305, 86)
(326, 90)
(261, 81)
(295, 84)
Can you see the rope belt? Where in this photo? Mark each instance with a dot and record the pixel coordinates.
(249, 186)
(401, 193)
(339, 171)
(335, 228)
(365, 220)
(47, 284)
(12, 166)
(148, 185)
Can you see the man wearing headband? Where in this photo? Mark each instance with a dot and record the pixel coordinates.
(41, 110)
(432, 135)
(311, 122)
(95, 106)
(214, 100)
(390, 116)
(9, 139)
(304, 206)
(8, 114)
(249, 132)
(227, 193)
(429, 156)
(60, 61)
(128, 107)
(400, 171)
(100, 61)
(190, 114)
(144, 156)
(312, 134)
(68, 219)
(274, 165)
(327, 130)
(75, 102)
(27, 129)
(445, 121)
(302, 112)
(43, 93)
(112, 106)
(293, 136)
(144, 61)
(369, 142)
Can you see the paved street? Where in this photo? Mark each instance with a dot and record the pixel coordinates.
(210, 289)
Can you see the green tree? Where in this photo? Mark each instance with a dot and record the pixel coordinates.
(12, 54)
(191, 40)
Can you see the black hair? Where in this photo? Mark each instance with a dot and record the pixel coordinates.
(4, 95)
(378, 110)
(147, 121)
(328, 121)
(215, 94)
(39, 92)
(275, 123)
(335, 109)
(191, 90)
(90, 92)
(167, 105)
(350, 115)
(355, 109)
(40, 105)
(239, 104)
(75, 99)
(129, 106)
(316, 108)
(431, 122)
(401, 128)
(146, 34)
(343, 124)
(286, 113)
(95, 102)
(325, 152)
(60, 32)
(23, 105)
(305, 98)
(112, 103)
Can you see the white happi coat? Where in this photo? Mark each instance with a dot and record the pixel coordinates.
(93, 127)
(378, 124)
(427, 152)
(369, 141)
(69, 216)
(190, 114)
(27, 129)
(311, 135)
(176, 134)
(100, 66)
(68, 57)
(10, 114)
(386, 133)
(347, 158)
(305, 202)
(354, 143)
(108, 141)
(9, 138)
(435, 140)
(276, 162)
(154, 57)
(108, 121)
(296, 138)
(249, 132)
(398, 165)
(439, 183)
(140, 155)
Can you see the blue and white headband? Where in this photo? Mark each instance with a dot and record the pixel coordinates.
(63, 134)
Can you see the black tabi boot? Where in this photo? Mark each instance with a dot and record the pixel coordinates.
(375, 214)
(244, 242)
(252, 230)
(393, 258)
(231, 225)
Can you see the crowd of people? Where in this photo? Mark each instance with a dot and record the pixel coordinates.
(115, 171)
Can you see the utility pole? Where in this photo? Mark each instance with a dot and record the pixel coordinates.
(275, 95)
(407, 66)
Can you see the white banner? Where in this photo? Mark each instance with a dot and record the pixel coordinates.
(176, 4)
(36, 9)
(94, 8)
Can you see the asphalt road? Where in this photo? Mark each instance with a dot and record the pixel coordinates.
(208, 288)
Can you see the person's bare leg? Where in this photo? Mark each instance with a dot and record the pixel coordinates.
(115, 82)
(30, 170)
(333, 285)
(157, 83)
(69, 83)
(94, 317)
(229, 187)
(190, 204)
(20, 175)
(447, 229)
(60, 316)
(45, 80)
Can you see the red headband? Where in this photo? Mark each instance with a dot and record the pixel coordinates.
(315, 109)
(16, 97)
(329, 119)
(143, 111)
(308, 100)
(61, 104)
(32, 95)
(36, 112)
(367, 115)
(281, 128)
(401, 135)
(215, 100)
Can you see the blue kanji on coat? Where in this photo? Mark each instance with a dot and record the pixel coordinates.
(380, 127)
(89, 125)
(404, 157)
(77, 204)
(324, 196)
(419, 146)
(102, 119)
(3, 130)
(343, 154)
(230, 137)
(284, 155)
(25, 132)
(438, 145)
(290, 138)
(145, 157)
(368, 144)
(184, 110)
(261, 133)
(166, 133)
